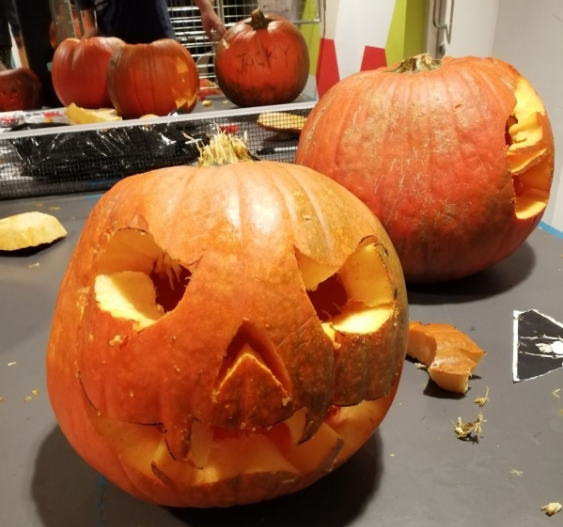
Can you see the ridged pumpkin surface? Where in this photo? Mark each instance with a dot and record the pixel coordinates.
(277, 298)
(456, 160)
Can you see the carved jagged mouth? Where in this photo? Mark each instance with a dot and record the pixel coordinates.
(530, 152)
(215, 454)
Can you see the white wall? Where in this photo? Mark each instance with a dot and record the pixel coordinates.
(529, 35)
(473, 27)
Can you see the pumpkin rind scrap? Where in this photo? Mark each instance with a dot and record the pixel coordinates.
(455, 159)
(262, 60)
(190, 360)
(155, 78)
(79, 71)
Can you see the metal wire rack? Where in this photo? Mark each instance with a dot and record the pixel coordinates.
(188, 29)
(68, 159)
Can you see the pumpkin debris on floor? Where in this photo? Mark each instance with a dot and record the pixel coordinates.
(11, 364)
(450, 356)
(471, 430)
(29, 229)
(207, 103)
(552, 508)
(35, 392)
(27, 398)
(34, 265)
(555, 393)
(482, 401)
(517, 472)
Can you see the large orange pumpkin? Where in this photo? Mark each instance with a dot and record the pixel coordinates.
(455, 157)
(154, 78)
(226, 334)
(262, 60)
(20, 89)
(79, 71)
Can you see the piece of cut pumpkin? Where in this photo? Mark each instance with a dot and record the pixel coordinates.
(450, 356)
(29, 229)
(78, 115)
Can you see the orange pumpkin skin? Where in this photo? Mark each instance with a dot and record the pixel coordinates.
(239, 230)
(259, 63)
(154, 78)
(79, 71)
(438, 156)
(20, 89)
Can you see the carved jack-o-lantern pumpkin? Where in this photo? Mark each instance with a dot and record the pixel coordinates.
(226, 334)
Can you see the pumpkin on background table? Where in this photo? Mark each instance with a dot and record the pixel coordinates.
(226, 334)
(455, 157)
(79, 71)
(262, 60)
(155, 78)
(20, 90)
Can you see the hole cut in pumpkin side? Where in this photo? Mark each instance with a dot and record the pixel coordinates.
(137, 280)
(530, 151)
(357, 298)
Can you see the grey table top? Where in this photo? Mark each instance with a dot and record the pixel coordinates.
(412, 472)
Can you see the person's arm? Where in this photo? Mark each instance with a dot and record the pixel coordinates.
(90, 27)
(89, 18)
(14, 22)
(210, 20)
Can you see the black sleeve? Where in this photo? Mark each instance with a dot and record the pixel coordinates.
(12, 17)
(84, 4)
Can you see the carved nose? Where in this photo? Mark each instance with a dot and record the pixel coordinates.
(250, 395)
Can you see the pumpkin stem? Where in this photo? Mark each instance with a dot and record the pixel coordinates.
(225, 149)
(423, 62)
(259, 20)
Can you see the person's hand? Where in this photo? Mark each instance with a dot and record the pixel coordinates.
(212, 24)
(19, 41)
(91, 32)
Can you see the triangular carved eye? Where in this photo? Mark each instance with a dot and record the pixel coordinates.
(136, 280)
(357, 298)
(253, 387)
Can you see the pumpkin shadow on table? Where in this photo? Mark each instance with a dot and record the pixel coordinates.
(67, 491)
(492, 281)
(64, 488)
(334, 501)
